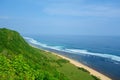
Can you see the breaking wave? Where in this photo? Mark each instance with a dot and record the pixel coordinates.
(74, 51)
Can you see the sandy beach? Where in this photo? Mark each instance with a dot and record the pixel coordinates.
(78, 64)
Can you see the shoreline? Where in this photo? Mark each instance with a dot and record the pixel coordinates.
(78, 64)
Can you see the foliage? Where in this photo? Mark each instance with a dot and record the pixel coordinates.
(20, 61)
(62, 61)
(80, 68)
(95, 78)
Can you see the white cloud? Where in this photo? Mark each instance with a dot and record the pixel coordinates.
(82, 10)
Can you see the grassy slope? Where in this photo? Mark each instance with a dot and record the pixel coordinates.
(71, 71)
(74, 73)
(18, 60)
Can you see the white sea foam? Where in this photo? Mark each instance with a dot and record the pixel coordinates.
(33, 41)
(75, 51)
(109, 56)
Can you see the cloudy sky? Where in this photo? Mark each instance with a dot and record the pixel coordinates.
(63, 17)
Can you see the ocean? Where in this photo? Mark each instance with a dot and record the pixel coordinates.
(101, 53)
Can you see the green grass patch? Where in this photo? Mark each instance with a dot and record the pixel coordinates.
(80, 68)
(73, 73)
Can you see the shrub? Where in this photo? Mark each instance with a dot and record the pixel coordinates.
(95, 78)
(80, 68)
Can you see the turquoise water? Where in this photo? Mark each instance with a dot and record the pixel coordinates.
(99, 52)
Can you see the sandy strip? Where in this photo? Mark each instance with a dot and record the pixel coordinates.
(78, 64)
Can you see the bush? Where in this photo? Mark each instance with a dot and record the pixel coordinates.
(95, 78)
(80, 68)
(62, 61)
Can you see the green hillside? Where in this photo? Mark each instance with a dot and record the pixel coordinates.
(20, 61)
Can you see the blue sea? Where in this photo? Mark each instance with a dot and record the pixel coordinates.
(101, 53)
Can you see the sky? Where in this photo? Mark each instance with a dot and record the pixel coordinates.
(61, 17)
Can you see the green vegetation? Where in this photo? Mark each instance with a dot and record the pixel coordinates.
(83, 69)
(73, 73)
(96, 78)
(19, 61)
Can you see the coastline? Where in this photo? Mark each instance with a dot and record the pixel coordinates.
(78, 64)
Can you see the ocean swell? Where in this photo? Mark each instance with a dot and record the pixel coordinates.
(74, 51)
